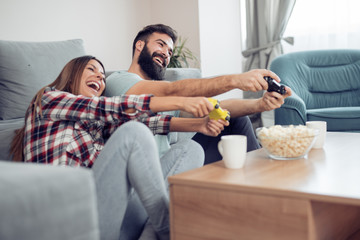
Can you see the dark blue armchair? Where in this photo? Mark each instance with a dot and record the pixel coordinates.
(325, 85)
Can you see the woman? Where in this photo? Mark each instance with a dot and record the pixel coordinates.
(69, 123)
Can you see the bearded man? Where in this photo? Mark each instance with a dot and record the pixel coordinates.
(152, 49)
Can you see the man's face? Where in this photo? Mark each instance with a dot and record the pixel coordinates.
(155, 56)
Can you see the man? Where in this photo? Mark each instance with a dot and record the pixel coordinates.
(152, 49)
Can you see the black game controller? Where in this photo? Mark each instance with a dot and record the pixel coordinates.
(274, 86)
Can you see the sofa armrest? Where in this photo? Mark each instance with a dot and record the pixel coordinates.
(41, 202)
(293, 111)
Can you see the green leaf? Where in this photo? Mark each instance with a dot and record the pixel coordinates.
(181, 55)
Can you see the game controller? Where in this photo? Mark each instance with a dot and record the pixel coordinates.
(218, 112)
(274, 86)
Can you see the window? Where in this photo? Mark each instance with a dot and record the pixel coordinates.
(324, 24)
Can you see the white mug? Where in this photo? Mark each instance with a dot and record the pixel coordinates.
(233, 150)
(321, 125)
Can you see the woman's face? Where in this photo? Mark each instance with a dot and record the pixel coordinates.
(92, 80)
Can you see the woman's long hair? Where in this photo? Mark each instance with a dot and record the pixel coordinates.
(68, 81)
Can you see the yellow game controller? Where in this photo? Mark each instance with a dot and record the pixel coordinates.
(218, 112)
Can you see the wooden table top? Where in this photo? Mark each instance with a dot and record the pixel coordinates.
(331, 174)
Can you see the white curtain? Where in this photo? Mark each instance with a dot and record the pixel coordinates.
(266, 22)
(329, 24)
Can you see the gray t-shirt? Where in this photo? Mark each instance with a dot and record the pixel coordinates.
(119, 83)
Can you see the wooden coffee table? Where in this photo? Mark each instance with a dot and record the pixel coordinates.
(317, 197)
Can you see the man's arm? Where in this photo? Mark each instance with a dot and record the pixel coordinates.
(242, 107)
(249, 81)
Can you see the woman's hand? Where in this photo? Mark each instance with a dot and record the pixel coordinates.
(212, 127)
(197, 106)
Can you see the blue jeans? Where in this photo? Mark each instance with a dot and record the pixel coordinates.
(130, 160)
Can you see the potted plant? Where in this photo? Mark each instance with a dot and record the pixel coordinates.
(182, 55)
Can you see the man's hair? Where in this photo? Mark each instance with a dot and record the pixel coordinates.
(144, 34)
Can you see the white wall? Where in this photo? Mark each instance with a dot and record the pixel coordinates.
(183, 16)
(109, 26)
(220, 38)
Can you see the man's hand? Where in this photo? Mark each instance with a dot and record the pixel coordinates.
(253, 80)
(273, 100)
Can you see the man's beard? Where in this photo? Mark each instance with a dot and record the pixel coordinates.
(151, 68)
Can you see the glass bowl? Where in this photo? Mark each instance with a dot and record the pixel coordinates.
(286, 142)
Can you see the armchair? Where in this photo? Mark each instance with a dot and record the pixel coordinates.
(325, 86)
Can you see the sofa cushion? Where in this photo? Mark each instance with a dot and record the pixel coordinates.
(7, 132)
(337, 118)
(25, 67)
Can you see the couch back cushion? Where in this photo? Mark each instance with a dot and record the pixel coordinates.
(174, 74)
(25, 67)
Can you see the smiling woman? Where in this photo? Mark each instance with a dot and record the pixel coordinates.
(92, 81)
(69, 102)
(69, 123)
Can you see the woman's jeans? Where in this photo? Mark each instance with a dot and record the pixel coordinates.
(130, 160)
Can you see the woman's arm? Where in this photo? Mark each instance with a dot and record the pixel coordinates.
(64, 106)
(197, 106)
(59, 105)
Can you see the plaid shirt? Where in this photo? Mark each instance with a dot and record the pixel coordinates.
(73, 129)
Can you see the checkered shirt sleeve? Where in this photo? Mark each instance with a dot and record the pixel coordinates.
(73, 129)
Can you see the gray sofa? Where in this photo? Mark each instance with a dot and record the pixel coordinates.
(38, 201)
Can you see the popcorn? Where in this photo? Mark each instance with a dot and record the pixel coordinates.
(286, 142)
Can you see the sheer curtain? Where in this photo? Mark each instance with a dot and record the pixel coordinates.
(324, 24)
(266, 22)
